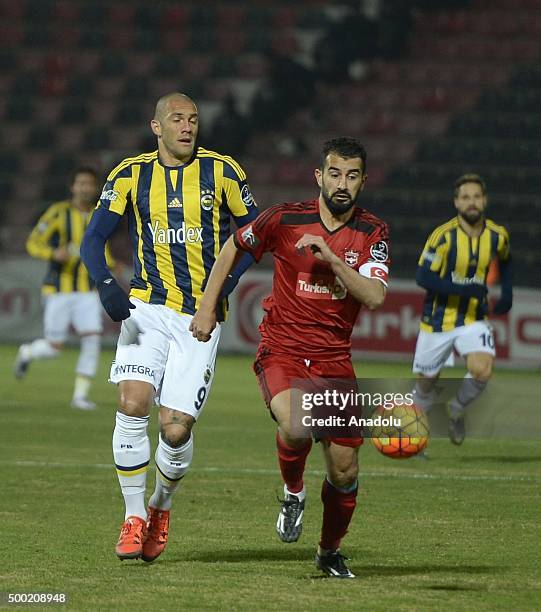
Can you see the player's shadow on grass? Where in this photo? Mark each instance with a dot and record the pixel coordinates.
(306, 555)
(454, 587)
(288, 553)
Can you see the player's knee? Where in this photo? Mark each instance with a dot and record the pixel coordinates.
(289, 440)
(481, 371)
(344, 477)
(132, 403)
(175, 434)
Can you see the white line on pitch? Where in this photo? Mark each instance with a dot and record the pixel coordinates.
(369, 474)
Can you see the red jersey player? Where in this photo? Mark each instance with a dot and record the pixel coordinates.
(331, 258)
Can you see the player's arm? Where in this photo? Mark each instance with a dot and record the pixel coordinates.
(204, 320)
(368, 291)
(39, 241)
(505, 302)
(254, 238)
(104, 221)
(243, 208)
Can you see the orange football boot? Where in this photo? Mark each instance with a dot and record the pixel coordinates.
(132, 537)
(158, 532)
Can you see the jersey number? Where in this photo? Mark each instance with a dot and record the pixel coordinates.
(487, 340)
(201, 394)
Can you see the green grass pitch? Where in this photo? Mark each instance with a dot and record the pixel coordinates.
(460, 531)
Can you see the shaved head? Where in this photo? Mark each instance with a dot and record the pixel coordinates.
(175, 124)
(163, 103)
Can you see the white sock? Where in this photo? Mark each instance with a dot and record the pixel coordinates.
(87, 364)
(301, 494)
(171, 465)
(40, 349)
(82, 387)
(469, 390)
(131, 451)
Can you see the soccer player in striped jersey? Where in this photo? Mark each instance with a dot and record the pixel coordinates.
(453, 269)
(179, 201)
(69, 293)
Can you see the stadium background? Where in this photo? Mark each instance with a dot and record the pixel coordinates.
(433, 89)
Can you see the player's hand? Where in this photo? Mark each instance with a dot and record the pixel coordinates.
(474, 290)
(502, 306)
(114, 299)
(61, 255)
(318, 246)
(202, 324)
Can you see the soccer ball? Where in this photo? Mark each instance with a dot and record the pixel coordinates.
(404, 440)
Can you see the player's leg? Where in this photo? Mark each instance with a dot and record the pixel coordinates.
(476, 343)
(56, 323)
(431, 353)
(185, 389)
(274, 375)
(339, 497)
(138, 370)
(86, 319)
(292, 453)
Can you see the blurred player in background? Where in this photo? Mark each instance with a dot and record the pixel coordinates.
(328, 242)
(69, 293)
(453, 269)
(179, 201)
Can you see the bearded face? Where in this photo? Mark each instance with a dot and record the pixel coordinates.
(471, 203)
(341, 182)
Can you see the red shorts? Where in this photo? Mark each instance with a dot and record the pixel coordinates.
(275, 372)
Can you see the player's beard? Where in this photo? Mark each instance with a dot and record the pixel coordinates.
(472, 216)
(339, 207)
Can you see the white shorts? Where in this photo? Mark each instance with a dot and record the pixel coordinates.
(434, 348)
(81, 309)
(168, 357)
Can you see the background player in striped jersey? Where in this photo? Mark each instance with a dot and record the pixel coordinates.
(331, 258)
(453, 269)
(69, 293)
(179, 201)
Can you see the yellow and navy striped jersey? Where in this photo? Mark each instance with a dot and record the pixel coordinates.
(62, 225)
(456, 257)
(179, 219)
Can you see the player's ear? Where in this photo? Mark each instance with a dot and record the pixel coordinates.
(156, 128)
(318, 175)
(365, 176)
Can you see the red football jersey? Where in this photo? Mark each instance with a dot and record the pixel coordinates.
(309, 312)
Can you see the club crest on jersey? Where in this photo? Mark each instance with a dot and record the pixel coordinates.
(207, 199)
(379, 251)
(207, 375)
(174, 203)
(246, 196)
(351, 258)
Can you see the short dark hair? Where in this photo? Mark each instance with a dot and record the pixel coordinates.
(470, 178)
(346, 148)
(84, 170)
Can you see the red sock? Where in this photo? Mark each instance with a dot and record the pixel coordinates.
(292, 462)
(338, 508)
